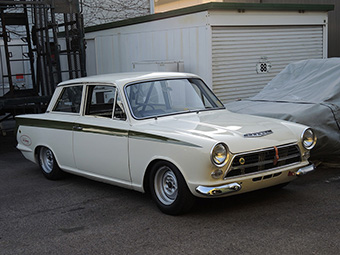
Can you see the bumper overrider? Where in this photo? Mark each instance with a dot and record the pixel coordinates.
(234, 187)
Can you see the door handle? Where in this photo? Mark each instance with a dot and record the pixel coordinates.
(77, 128)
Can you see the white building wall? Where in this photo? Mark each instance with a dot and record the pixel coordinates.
(191, 39)
(185, 38)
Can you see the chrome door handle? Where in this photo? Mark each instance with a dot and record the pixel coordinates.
(77, 128)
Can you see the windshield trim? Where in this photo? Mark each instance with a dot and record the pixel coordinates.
(178, 113)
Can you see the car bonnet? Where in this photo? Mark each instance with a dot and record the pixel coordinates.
(240, 132)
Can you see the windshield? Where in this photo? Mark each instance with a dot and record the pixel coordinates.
(164, 97)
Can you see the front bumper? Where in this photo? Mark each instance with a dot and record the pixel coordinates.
(305, 170)
(220, 190)
(237, 186)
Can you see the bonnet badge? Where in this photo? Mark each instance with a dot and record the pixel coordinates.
(258, 134)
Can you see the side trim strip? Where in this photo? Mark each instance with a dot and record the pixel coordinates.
(70, 126)
(157, 138)
(102, 130)
(45, 123)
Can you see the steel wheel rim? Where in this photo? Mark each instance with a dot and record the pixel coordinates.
(166, 185)
(46, 160)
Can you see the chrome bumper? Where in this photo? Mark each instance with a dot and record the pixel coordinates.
(220, 190)
(305, 170)
(233, 187)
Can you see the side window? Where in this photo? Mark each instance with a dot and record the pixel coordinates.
(119, 109)
(100, 102)
(70, 100)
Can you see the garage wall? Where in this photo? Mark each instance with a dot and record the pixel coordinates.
(184, 39)
(124, 49)
(333, 25)
(223, 45)
(238, 51)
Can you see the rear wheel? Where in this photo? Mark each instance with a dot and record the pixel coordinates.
(169, 189)
(48, 164)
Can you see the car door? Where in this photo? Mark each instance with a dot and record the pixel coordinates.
(101, 135)
(57, 129)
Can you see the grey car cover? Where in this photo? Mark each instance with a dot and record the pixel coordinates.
(306, 92)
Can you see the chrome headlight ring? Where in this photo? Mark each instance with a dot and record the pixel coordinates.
(308, 139)
(219, 154)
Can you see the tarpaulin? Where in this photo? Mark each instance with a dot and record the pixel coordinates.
(306, 92)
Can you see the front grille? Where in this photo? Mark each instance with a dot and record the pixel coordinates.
(265, 159)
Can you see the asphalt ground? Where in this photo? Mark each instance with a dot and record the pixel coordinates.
(80, 216)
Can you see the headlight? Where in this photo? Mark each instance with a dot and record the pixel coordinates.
(308, 139)
(219, 154)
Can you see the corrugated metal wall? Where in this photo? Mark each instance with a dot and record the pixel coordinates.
(220, 46)
(333, 19)
(237, 51)
(333, 22)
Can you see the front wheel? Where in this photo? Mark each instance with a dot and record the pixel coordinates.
(169, 189)
(48, 164)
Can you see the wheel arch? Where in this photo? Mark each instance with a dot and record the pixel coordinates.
(146, 182)
(172, 196)
(36, 151)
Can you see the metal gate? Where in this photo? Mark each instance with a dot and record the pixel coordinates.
(245, 59)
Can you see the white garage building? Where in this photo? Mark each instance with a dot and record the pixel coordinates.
(235, 47)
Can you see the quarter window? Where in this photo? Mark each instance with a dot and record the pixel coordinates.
(70, 100)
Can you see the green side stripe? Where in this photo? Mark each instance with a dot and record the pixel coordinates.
(103, 130)
(150, 137)
(52, 124)
(45, 123)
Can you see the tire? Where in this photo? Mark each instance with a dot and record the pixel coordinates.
(169, 189)
(48, 164)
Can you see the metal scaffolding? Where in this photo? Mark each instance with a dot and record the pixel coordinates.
(41, 44)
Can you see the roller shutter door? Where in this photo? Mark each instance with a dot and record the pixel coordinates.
(237, 53)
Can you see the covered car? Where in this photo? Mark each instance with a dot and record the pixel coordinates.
(306, 92)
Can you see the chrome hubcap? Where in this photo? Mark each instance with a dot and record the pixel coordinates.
(166, 186)
(46, 160)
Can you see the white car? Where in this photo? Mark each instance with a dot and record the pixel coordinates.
(163, 133)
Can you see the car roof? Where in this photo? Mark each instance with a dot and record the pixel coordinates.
(129, 77)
